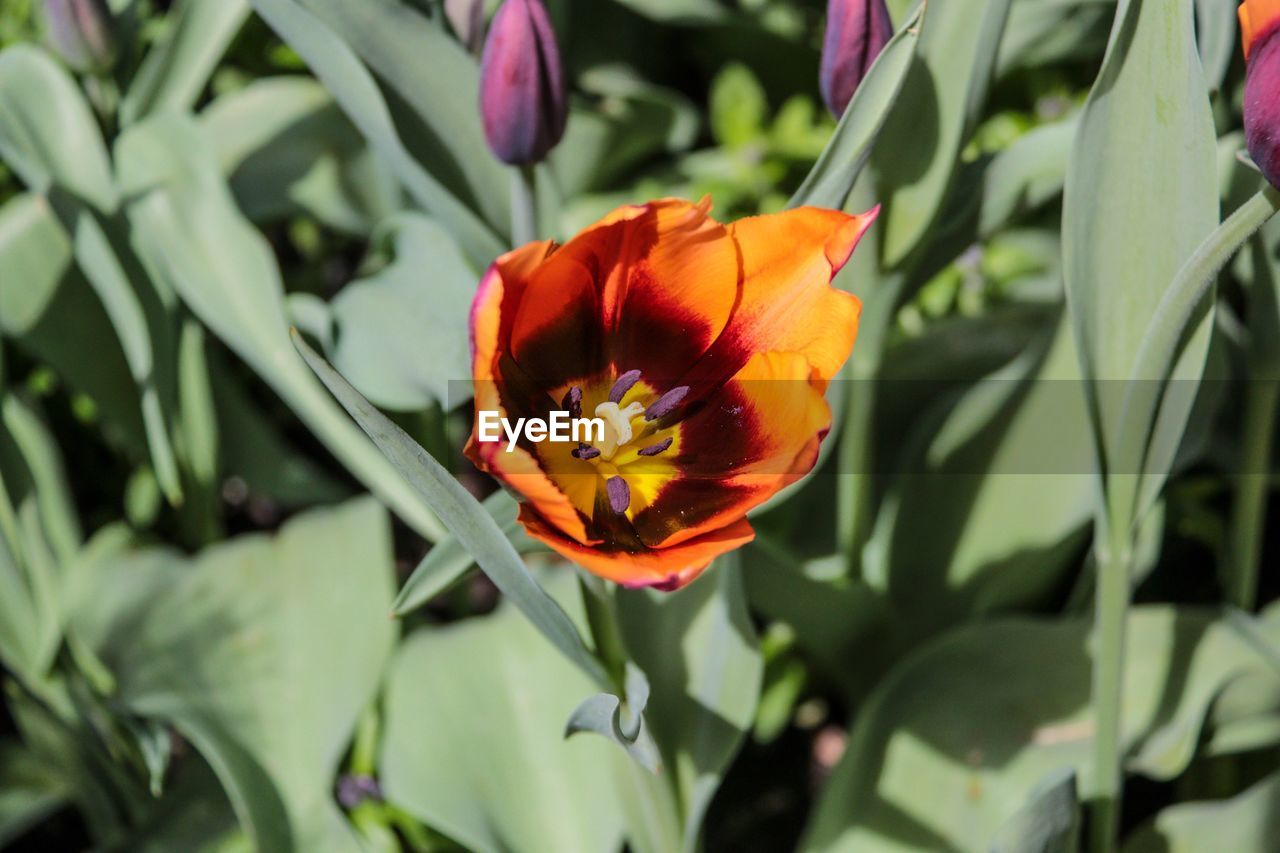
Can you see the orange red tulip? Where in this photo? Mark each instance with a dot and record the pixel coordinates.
(706, 350)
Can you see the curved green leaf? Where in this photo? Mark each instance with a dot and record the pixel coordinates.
(832, 177)
(463, 516)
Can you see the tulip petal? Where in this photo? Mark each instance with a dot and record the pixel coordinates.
(1257, 19)
(493, 308)
(759, 433)
(651, 287)
(787, 303)
(660, 568)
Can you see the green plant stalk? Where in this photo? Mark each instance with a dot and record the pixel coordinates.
(524, 206)
(1250, 504)
(1159, 349)
(602, 619)
(1114, 556)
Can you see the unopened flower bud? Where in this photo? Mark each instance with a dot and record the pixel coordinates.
(522, 93)
(82, 32)
(857, 30)
(1259, 24)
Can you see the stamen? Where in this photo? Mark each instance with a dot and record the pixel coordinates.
(666, 403)
(623, 385)
(655, 449)
(584, 452)
(572, 402)
(619, 494)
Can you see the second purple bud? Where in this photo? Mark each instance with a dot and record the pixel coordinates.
(523, 102)
(857, 30)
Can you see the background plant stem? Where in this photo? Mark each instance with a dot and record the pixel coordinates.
(524, 206)
(1111, 611)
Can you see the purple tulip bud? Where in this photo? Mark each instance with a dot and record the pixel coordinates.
(522, 93)
(857, 30)
(82, 32)
(1262, 106)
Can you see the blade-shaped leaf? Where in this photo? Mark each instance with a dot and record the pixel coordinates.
(1141, 194)
(463, 516)
(188, 228)
(832, 177)
(341, 71)
(48, 134)
(287, 148)
(448, 560)
(178, 67)
(945, 88)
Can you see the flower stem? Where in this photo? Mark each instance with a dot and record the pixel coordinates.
(524, 206)
(1110, 613)
(1262, 393)
(1250, 505)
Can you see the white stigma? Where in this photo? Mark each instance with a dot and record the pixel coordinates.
(617, 426)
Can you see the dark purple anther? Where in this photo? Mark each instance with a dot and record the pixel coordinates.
(619, 494)
(857, 30)
(666, 403)
(655, 449)
(523, 102)
(584, 452)
(623, 385)
(572, 402)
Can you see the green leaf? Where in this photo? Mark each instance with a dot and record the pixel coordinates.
(738, 107)
(288, 149)
(1141, 194)
(30, 791)
(177, 69)
(1247, 821)
(1216, 39)
(832, 177)
(699, 650)
(237, 649)
(491, 769)
(1026, 175)
(50, 312)
(1048, 823)
(187, 226)
(939, 759)
(399, 45)
(402, 333)
(995, 499)
(464, 517)
(24, 425)
(448, 560)
(431, 73)
(48, 134)
(601, 714)
(603, 146)
(920, 144)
